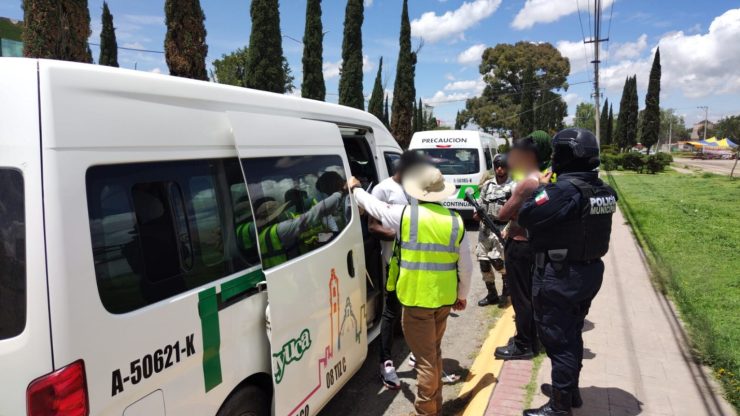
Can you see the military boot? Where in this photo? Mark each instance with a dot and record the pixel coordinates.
(559, 405)
(492, 296)
(576, 402)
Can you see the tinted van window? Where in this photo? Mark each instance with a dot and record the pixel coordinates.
(159, 229)
(12, 254)
(392, 160)
(300, 204)
(454, 161)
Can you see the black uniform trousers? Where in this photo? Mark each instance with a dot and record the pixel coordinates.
(519, 261)
(561, 302)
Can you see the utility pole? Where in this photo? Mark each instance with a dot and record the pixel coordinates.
(597, 42)
(670, 135)
(706, 118)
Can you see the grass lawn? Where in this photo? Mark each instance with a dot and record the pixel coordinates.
(690, 228)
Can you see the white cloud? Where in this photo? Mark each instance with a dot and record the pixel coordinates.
(629, 50)
(332, 69)
(476, 85)
(156, 71)
(547, 11)
(577, 53)
(472, 55)
(440, 97)
(368, 3)
(452, 24)
(698, 65)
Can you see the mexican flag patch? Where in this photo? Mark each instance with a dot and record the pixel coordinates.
(541, 198)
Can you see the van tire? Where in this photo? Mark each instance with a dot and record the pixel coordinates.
(249, 400)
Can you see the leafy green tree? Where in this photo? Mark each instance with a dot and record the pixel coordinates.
(604, 122)
(386, 116)
(650, 128)
(585, 113)
(673, 126)
(550, 111)
(185, 43)
(313, 85)
(375, 106)
(108, 44)
(404, 90)
(265, 67)
(56, 29)
(350, 74)
(458, 122)
(231, 69)
(610, 126)
(503, 68)
(529, 92)
(729, 128)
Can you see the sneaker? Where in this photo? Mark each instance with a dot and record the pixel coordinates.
(412, 360)
(513, 352)
(388, 376)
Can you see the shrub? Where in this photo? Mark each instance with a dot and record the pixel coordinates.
(665, 158)
(654, 164)
(609, 150)
(633, 161)
(609, 161)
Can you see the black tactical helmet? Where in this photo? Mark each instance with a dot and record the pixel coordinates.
(500, 160)
(575, 150)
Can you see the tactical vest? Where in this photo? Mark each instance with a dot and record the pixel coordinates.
(245, 235)
(273, 253)
(428, 251)
(586, 237)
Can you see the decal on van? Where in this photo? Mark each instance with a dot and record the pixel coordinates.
(209, 303)
(154, 363)
(444, 140)
(464, 189)
(339, 368)
(291, 352)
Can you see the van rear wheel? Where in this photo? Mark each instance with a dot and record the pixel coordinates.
(249, 400)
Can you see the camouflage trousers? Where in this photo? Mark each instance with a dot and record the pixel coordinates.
(489, 249)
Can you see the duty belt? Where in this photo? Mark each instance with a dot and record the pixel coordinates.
(558, 258)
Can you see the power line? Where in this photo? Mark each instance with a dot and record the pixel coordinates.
(583, 33)
(131, 49)
(497, 95)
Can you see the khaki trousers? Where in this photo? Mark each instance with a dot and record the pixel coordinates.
(423, 330)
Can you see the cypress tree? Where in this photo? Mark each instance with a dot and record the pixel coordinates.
(458, 123)
(56, 29)
(265, 69)
(526, 116)
(108, 44)
(634, 113)
(415, 120)
(651, 120)
(386, 116)
(420, 112)
(185, 43)
(313, 85)
(603, 122)
(375, 106)
(350, 80)
(620, 138)
(404, 91)
(610, 126)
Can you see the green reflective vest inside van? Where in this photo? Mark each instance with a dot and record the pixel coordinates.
(273, 253)
(428, 250)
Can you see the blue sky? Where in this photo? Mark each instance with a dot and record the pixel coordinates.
(700, 45)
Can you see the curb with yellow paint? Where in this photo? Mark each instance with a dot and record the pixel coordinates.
(486, 368)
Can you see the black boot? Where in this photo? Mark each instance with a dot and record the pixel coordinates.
(576, 400)
(492, 297)
(559, 405)
(513, 352)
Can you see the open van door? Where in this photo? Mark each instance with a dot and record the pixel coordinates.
(310, 241)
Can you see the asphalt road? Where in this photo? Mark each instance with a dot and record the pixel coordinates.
(718, 166)
(365, 395)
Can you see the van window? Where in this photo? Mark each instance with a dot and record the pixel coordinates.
(489, 159)
(159, 229)
(12, 254)
(392, 159)
(454, 161)
(299, 204)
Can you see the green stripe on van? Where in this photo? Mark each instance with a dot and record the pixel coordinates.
(464, 188)
(208, 311)
(208, 305)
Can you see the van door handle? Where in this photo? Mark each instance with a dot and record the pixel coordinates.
(351, 264)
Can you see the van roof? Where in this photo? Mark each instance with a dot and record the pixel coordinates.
(88, 88)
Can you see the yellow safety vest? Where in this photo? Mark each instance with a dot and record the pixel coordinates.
(428, 250)
(273, 253)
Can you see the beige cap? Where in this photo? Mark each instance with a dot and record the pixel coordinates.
(426, 183)
(268, 211)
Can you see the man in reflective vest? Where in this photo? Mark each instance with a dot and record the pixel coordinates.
(435, 268)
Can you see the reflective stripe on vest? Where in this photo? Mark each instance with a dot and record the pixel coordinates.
(273, 253)
(429, 249)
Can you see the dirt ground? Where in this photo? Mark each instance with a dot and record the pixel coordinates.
(365, 394)
(721, 167)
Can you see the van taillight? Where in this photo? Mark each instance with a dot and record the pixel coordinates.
(63, 392)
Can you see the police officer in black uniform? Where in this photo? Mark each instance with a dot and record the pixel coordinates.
(569, 223)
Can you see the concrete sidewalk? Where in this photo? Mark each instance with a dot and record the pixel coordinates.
(636, 359)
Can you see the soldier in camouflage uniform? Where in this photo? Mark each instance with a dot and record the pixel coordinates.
(495, 190)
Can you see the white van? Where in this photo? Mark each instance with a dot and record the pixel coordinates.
(463, 156)
(135, 210)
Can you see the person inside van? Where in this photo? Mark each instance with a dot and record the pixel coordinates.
(391, 192)
(279, 240)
